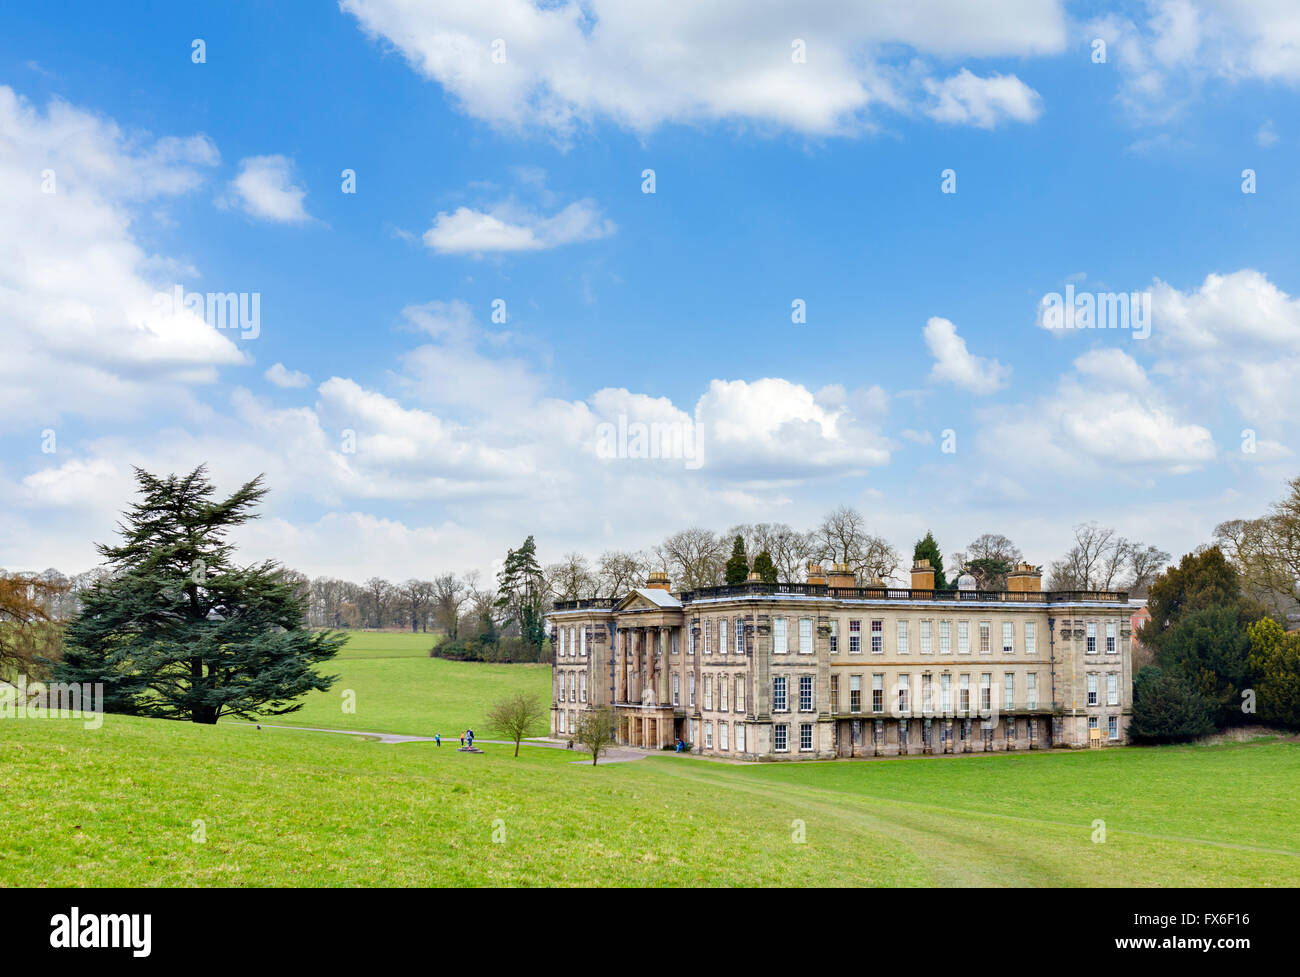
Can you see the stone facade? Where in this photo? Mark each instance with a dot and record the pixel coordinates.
(824, 670)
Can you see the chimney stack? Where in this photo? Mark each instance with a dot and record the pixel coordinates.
(816, 575)
(658, 580)
(1025, 579)
(922, 575)
(840, 576)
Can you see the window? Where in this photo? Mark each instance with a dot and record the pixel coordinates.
(902, 735)
(1112, 727)
(877, 693)
(1092, 722)
(835, 693)
(1092, 688)
(985, 636)
(722, 637)
(1009, 691)
(1031, 638)
(805, 636)
(562, 729)
(740, 693)
(677, 690)
(805, 693)
(740, 737)
(1008, 638)
(986, 691)
(855, 693)
(708, 692)
(779, 734)
(1092, 637)
(583, 679)
(963, 637)
(692, 690)
(927, 695)
(672, 641)
(945, 693)
(945, 637)
(855, 637)
(573, 688)
(708, 732)
(805, 736)
(835, 636)
(690, 642)
(722, 736)
(877, 637)
(904, 694)
(708, 637)
(582, 642)
(778, 636)
(902, 638)
(740, 636)
(1112, 688)
(723, 682)
(778, 694)
(1031, 690)
(559, 638)
(963, 694)
(1110, 637)
(926, 649)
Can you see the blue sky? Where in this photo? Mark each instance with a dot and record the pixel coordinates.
(521, 181)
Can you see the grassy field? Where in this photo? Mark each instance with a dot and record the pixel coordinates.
(400, 689)
(121, 806)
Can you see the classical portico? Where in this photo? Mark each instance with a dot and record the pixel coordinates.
(647, 639)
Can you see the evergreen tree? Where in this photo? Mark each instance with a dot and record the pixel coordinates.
(1210, 650)
(738, 565)
(521, 591)
(1275, 662)
(177, 630)
(764, 567)
(1166, 709)
(928, 549)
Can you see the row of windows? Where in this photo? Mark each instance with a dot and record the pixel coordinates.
(1112, 689)
(574, 684)
(723, 731)
(781, 737)
(1112, 725)
(902, 692)
(572, 641)
(932, 636)
(724, 684)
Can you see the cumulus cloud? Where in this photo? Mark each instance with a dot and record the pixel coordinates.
(470, 231)
(816, 68)
(955, 364)
(264, 189)
(967, 99)
(81, 323)
(281, 376)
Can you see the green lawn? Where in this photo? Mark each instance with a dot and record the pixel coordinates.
(400, 689)
(119, 806)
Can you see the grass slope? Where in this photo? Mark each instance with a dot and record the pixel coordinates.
(400, 689)
(118, 806)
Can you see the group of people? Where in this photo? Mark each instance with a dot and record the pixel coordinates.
(466, 738)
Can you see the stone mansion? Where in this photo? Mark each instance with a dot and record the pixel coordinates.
(828, 669)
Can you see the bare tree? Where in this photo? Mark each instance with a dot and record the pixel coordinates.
(842, 537)
(571, 579)
(1101, 559)
(596, 731)
(695, 556)
(450, 595)
(516, 716)
(1145, 563)
(619, 571)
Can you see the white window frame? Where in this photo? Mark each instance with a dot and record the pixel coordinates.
(806, 734)
(781, 738)
(1092, 637)
(1112, 688)
(963, 637)
(945, 637)
(780, 694)
(1031, 638)
(780, 639)
(807, 694)
(1008, 637)
(806, 646)
(927, 645)
(722, 636)
(903, 641)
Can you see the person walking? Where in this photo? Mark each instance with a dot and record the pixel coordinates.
(462, 739)
(437, 739)
(469, 738)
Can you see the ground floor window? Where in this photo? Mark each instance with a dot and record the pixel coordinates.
(1092, 722)
(722, 736)
(740, 737)
(805, 736)
(708, 734)
(1113, 727)
(779, 734)
(562, 722)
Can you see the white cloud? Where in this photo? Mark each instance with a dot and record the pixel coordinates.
(1168, 55)
(281, 376)
(955, 364)
(469, 231)
(641, 63)
(79, 324)
(967, 99)
(264, 189)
